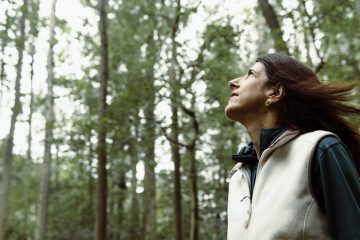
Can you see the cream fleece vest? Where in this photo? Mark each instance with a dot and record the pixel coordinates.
(282, 206)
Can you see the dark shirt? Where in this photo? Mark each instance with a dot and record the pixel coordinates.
(334, 181)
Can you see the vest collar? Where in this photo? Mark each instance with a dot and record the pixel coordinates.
(247, 154)
(269, 136)
(283, 139)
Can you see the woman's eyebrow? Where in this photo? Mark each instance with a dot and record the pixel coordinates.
(255, 72)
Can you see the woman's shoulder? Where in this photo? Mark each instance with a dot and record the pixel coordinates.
(333, 150)
(330, 142)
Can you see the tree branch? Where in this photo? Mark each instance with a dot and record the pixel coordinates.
(312, 33)
(169, 138)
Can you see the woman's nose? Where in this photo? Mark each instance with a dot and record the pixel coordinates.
(234, 83)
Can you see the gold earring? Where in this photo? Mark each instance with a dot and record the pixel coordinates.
(268, 102)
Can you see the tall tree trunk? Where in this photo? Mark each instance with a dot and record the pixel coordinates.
(29, 137)
(150, 219)
(3, 46)
(149, 178)
(120, 204)
(274, 25)
(175, 125)
(101, 216)
(191, 149)
(31, 105)
(89, 214)
(16, 109)
(40, 230)
(194, 229)
(134, 232)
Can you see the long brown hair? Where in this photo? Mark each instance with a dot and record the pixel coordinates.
(310, 105)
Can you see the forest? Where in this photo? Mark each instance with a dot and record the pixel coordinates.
(112, 112)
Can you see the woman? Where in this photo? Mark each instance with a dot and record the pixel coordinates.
(299, 178)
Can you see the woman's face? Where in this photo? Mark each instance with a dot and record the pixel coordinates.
(248, 95)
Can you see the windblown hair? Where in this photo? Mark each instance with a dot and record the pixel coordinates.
(310, 105)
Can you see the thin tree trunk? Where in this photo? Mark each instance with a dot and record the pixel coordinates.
(28, 153)
(194, 229)
(40, 230)
(149, 178)
(3, 46)
(322, 62)
(191, 149)
(89, 215)
(175, 126)
(31, 106)
(101, 215)
(134, 232)
(16, 109)
(274, 25)
(150, 219)
(121, 184)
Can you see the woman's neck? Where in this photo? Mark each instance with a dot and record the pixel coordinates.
(254, 128)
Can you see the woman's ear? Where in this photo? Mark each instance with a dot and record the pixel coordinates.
(276, 92)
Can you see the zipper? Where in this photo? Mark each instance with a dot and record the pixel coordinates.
(259, 168)
(247, 174)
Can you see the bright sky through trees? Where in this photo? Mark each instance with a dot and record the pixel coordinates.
(72, 61)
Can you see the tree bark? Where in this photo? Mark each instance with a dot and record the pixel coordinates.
(150, 219)
(34, 31)
(175, 126)
(134, 232)
(31, 105)
(191, 149)
(194, 230)
(40, 231)
(274, 25)
(16, 109)
(89, 214)
(101, 215)
(149, 178)
(3, 46)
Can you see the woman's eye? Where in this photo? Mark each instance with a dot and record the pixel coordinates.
(249, 73)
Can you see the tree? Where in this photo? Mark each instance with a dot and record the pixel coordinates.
(274, 25)
(40, 231)
(34, 31)
(101, 215)
(175, 122)
(16, 109)
(4, 43)
(150, 220)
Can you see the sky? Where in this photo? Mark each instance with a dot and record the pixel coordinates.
(73, 12)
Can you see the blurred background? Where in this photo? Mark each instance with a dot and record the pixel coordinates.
(111, 112)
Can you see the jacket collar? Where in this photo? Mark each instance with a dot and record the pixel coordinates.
(270, 139)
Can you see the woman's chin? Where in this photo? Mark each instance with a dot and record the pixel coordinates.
(230, 112)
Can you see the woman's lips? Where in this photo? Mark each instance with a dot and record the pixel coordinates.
(234, 94)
